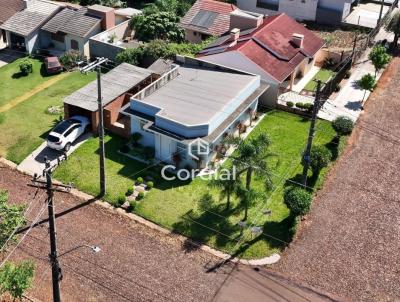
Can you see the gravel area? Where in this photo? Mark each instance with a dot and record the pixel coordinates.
(135, 263)
(350, 243)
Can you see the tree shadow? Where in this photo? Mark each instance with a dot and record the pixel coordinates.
(19, 75)
(297, 180)
(333, 146)
(355, 105)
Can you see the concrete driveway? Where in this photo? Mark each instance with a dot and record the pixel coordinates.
(366, 15)
(34, 163)
(8, 56)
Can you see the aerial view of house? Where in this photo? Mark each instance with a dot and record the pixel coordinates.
(199, 150)
(23, 28)
(280, 50)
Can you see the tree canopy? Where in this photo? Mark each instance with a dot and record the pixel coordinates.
(379, 57)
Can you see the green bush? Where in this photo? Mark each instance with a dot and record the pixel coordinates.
(26, 66)
(299, 105)
(298, 201)
(139, 180)
(308, 106)
(121, 200)
(293, 225)
(343, 125)
(290, 104)
(70, 58)
(132, 205)
(129, 192)
(140, 196)
(150, 185)
(320, 158)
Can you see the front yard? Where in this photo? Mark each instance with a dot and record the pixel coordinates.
(24, 126)
(323, 75)
(175, 204)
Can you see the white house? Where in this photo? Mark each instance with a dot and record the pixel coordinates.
(321, 11)
(193, 100)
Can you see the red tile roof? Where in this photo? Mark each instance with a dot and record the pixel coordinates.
(270, 46)
(8, 8)
(221, 22)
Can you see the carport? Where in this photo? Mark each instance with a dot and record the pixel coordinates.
(118, 85)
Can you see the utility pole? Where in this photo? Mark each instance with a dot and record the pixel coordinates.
(380, 13)
(96, 65)
(53, 256)
(307, 153)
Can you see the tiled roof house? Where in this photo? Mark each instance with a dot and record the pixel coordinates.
(279, 50)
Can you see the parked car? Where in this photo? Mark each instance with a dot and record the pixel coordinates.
(66, 132)
(52, 65)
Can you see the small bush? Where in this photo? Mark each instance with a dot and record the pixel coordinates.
(26, 66)
(150, 185)
(70, 58)
(337, 88)
(292, 228)
(139, 180)
(290, 104)
(132, 205)
(121, 200)
(129, 192)
(320, 158)
(308, 106)
(299, 105)
(347, 74)
(343, 125)
(140, 196)
(298, 201)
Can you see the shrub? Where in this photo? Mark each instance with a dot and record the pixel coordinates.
(140, 196)
(129, 192)
(320, 158)
(290, 104)
(329, 63)
(150, 185)
(347, 74)
(299, 105)
(70, 58)
(139, 180)
(121, 200)
(337, 88)
(26, 66)
(132, 205)
(308, 106)
(292, 227)
(298, 201)
(343, 125)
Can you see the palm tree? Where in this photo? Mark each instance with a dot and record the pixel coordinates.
(227, 186)
(251, 157)
(248, 198)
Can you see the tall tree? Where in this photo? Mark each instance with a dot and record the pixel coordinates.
(394, 26)
(247, 198)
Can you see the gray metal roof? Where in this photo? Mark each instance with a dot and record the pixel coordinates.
(198, 95)
(71, 21)
(30, 19)
(114, 83)
(204, 19)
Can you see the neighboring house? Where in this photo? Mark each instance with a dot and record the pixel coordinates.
(321, 11)
(118, 85)
(193, 100)
(280, 50)
(206, 18)
(72, 28)
(8, 9)
(111, 42)
(22, 29)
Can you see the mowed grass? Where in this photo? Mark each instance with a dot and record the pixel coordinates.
(24, 127)
(175, 204)
(323, 75)
(13, 84)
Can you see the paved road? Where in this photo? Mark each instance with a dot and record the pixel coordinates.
(249, 285)
(350, 243)
(34, 163)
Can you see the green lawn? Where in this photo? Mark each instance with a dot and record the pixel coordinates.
(175, 204)
(12, 84)
(324, 75)
(24, 127)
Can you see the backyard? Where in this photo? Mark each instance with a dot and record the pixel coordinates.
(176, 205)
(24, 116)
(323, 75)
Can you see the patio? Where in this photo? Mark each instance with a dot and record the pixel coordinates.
(366, 15)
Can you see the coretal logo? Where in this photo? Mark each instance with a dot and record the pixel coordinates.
(197, 148)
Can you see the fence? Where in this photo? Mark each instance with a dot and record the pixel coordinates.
(332, 84)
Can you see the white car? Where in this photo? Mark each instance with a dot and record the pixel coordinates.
(66, 132)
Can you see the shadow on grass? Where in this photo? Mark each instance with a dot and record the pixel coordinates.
(19, 75)
(333, 146)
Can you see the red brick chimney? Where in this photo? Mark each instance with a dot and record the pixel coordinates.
(298, 40)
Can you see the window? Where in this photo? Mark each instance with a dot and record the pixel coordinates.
(60, 37)
(181, 149)
(74, 44)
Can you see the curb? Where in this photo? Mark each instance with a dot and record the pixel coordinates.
(224, 256)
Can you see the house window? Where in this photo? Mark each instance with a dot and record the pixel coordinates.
(181, 149)
(59, 37)
(74, 44)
